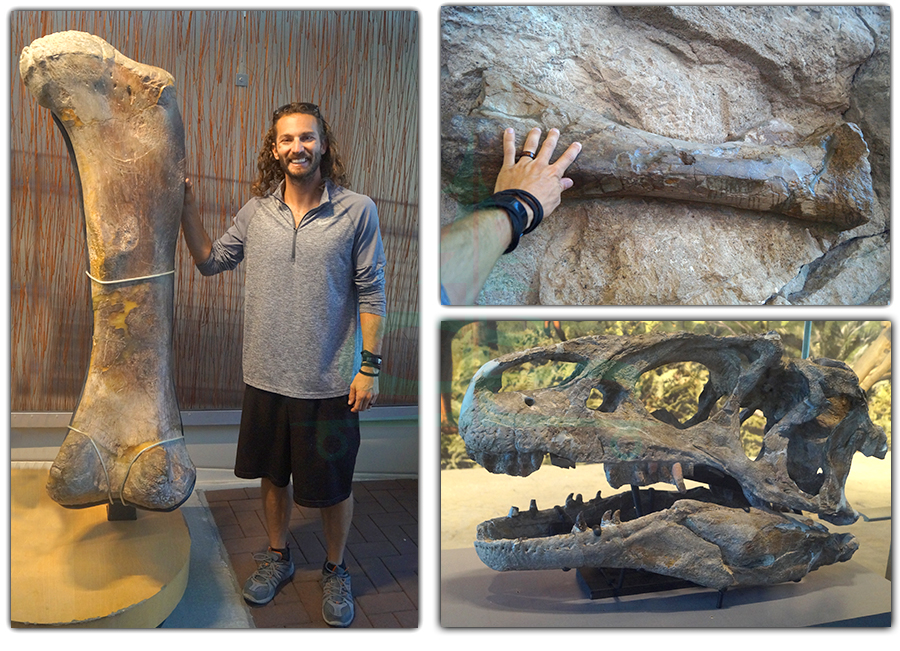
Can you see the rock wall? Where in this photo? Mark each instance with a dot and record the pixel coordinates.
(701, 74)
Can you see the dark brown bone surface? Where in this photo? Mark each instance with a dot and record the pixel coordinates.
(825, 178)
(735, 533)
(126, 140)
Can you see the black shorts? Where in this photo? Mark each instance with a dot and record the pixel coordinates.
(315, 441)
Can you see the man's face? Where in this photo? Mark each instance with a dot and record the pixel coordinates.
(299, 146)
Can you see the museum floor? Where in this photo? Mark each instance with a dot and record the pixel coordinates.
(382, 555)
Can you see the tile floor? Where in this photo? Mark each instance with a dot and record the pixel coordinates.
(382, 555)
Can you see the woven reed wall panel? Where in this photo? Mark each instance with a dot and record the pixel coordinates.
(360, 67)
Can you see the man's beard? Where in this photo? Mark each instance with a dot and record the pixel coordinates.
(315, 163)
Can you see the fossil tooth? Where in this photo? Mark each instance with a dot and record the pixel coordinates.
(606, 520)
(678, 477)
(570, 499)
(617, 517)
(533, 507)
(560, 461)
(513, 512)
(580, 523)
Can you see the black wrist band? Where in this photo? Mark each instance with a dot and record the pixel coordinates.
(371, 359)
(512, 202)
(537, 210)
(369, 374)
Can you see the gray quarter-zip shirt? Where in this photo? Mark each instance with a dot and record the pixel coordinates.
(304, 288)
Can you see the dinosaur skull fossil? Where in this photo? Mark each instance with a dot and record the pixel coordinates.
(744, 529)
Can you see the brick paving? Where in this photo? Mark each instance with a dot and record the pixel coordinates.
(382, 555)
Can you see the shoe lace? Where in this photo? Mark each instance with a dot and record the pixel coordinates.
(265, 573)
(336, 586)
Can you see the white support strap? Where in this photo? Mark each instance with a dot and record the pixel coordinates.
(127, 472)
(128, 280)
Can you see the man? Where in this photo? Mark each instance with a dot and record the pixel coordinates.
(471, 245)
(314, 285)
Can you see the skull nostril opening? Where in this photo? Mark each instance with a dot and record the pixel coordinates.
(529, 401)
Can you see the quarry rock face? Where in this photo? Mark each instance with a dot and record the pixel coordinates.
(650, 220)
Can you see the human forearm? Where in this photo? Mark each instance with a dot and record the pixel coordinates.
(364, 388)
(470, 247)
(195, 236)
(371, 326)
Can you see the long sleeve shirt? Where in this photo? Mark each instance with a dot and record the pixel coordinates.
(304, 287)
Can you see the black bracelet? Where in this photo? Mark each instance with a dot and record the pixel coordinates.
(369, 374)
(371, 359)
(537, 210)
(511, 202)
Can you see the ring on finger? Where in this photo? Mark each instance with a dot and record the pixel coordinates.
(530, 154)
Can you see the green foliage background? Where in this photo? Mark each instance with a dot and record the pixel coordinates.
(674, 387)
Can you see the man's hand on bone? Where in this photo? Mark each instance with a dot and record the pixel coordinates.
(537, 176)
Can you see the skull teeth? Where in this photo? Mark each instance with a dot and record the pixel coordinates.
(611, 518)
(649, 472)
(678, 477)
(573, 500)
(510, 463)
(580, 523)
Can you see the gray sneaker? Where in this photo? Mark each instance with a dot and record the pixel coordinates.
(337, 600)
(272, 573)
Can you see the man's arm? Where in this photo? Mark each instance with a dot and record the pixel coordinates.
(364, 388)
(212, 257)
(195, 236)
(368, 258)
(471, 246)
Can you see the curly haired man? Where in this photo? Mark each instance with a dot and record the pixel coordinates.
(313, 306)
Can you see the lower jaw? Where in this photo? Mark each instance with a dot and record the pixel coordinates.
(706, 537)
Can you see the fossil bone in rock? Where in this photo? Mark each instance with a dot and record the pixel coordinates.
(744, 529)
(126, 140)
(824, 178)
